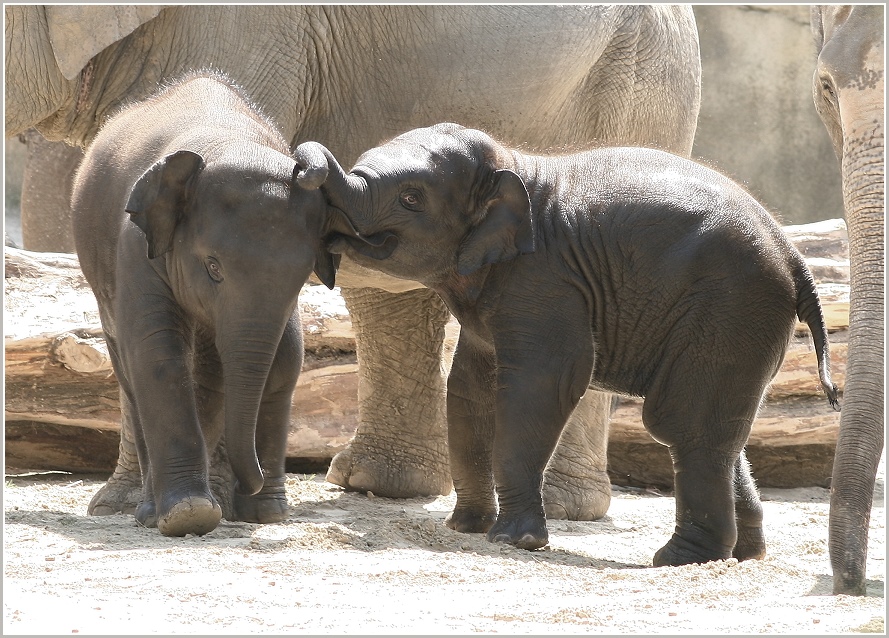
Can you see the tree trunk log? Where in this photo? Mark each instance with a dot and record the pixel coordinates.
(58, 375)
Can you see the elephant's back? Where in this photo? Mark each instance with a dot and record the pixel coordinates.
(542, 77)
(677, 226)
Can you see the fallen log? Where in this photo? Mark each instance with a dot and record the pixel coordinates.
(62, 408)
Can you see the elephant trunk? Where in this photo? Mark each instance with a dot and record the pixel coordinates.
(349, 197)
(344, 191)
(247, 353)
(860, 441)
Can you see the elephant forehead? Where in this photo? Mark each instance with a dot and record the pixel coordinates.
(416, 152)
(395, 159)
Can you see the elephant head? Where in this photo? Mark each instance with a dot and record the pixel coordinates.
(412, 224)
(238, 244)
(848, 91)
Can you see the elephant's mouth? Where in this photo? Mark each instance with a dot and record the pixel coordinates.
(376, 246)
(341, 235)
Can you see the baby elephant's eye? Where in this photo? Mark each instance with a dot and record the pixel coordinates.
(213, 269)
(412, 199)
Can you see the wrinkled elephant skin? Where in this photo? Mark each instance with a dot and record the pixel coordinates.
(196, 230)
(848, 89)
(626, 270)
(543, 76)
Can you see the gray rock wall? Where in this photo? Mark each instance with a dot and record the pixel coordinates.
(758, 123)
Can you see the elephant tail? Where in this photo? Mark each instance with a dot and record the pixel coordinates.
(808, 309)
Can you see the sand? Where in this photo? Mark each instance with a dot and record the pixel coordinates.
(351, 563)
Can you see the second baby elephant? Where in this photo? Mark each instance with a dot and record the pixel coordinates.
(628, 270)
(196, 230)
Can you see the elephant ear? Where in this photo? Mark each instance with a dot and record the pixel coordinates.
(326, 265)
(78, 33)
(506, 229)
(159, 197)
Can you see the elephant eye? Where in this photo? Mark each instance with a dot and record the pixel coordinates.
(412, 199)
(827, 88)
(213, 269)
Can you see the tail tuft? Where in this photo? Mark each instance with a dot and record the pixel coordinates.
(808, 309)
(833, 396)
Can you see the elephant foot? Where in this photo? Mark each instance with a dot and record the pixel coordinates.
(471, 521)
(751, 544)
(525, 532)
(191, 515)
(391, 476)
(268, 506)
(120, 495)
(146, 514)
(680, 551)
(576, 498)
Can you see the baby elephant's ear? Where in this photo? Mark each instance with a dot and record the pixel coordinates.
(506, 229)
(159, 197)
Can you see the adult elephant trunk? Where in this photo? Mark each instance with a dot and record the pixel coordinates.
(247, 352)
(860, 442)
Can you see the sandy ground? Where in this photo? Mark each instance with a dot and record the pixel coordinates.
(347, 563)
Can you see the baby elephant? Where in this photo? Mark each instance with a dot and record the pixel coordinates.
(628, 270)
(196, 230)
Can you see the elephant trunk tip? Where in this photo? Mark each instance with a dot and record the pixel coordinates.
(249, 483)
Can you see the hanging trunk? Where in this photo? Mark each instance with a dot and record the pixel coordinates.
(860, 442)
(247, 353)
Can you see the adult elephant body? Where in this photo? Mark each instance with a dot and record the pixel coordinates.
(542, 77)
(848, 92)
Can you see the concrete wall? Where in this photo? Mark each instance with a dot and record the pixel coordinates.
(758, 123)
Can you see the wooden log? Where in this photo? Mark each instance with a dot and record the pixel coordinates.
(58, 375)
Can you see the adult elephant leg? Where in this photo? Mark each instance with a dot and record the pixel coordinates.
(576, 484)
(46, 194)
(400, 449)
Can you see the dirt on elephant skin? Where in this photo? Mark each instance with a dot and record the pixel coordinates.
(350, 563)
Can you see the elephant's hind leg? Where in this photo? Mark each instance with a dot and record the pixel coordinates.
(400, 448)
(751, 542)
(123, 490)
(576, 485)
(705, 513)
(706, 431)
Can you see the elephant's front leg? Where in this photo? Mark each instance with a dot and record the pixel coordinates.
(539, 383)
(154, 353)
(471, 400)
(269, 505)
(400, 447)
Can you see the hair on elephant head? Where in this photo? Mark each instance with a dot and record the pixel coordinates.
(629, 270)
(198, 288)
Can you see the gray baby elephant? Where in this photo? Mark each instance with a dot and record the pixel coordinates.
(628, 270)
(196, 230)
